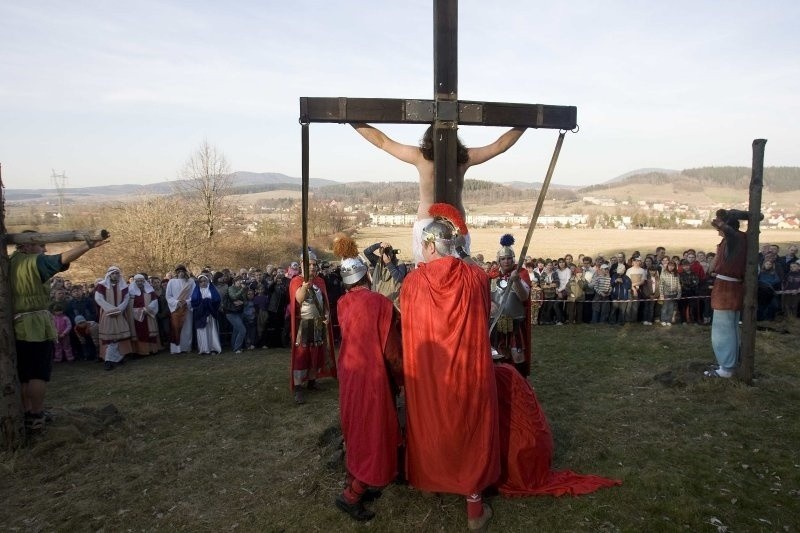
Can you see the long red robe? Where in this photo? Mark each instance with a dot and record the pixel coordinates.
(366, 401)
(453, 440)
(527, 445)
(326, 364)
(145, 332)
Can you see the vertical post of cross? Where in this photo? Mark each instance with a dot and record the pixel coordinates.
(445, 90)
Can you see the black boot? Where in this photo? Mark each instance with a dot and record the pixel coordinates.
(370, 495)
(355, 510)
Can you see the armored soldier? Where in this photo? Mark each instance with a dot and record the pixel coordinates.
(510, 293)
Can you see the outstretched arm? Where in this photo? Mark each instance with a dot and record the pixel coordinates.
(503, 143)
(403, 152)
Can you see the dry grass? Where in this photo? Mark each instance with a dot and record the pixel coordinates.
(215, 444)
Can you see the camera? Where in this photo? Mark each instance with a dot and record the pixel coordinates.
(392, 252)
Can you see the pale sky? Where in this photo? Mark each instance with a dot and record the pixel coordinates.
(123, 92)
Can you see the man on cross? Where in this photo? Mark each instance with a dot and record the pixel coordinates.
(422, 158)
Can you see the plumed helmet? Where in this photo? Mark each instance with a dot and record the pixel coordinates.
(506, 250)
(311, 255)
(352, 270)
(439, 230)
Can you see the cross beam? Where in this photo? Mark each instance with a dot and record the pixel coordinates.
(445, 111)
(468, 113)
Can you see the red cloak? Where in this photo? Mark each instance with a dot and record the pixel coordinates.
(327, 363)
(371, 431)
(452, 434)
(527, 445)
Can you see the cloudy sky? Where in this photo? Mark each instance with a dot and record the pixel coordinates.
(123, 92)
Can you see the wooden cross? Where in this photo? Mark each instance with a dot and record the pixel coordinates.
(445, 111)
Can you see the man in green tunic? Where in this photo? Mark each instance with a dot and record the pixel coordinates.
(30, 269)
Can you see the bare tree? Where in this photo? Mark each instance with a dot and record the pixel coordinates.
(152, 235)
(206, 180)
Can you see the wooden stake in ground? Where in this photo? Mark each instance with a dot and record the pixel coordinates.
(748, 346)
(12, 422)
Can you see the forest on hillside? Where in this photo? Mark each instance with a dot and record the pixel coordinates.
(776, 179)
(388, 193)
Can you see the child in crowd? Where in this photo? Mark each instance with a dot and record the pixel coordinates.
(791, 288)
(88, 337)
(63, 345)
(576, 294)
(250, 317)
(536, 300)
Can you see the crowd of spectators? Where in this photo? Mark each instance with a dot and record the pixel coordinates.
(259, 321)
(653, 288)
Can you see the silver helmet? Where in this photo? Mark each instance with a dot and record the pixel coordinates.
(352, 270)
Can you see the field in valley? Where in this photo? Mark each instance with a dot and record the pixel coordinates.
(555, 242)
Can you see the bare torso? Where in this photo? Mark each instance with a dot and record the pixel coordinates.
(426, 187)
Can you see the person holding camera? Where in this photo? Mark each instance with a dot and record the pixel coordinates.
(388, 273)
(727, 298)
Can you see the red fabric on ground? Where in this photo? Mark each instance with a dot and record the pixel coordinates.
(451, 399)
(527, 445)
(369, 418)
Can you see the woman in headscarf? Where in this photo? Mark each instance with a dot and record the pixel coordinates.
(144, 306)
(111, 295)
(205, 314)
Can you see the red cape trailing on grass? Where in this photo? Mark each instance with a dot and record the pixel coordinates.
(327, 366)
(451, 398)
(527, 445)
(369, 417)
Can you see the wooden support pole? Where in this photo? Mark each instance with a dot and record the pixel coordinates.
(12, 421)
(748, 345)
(304, 197)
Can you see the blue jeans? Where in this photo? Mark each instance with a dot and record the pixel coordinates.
(600, 309)
(239, 330)
(668, 309)
(725, 338)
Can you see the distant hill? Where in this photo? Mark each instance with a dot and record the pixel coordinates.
(242, 183)
(642, 171)
(699, 184)
(776, 179)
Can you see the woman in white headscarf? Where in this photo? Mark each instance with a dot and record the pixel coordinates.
(205, 314)
(144, 307)
(111, 295)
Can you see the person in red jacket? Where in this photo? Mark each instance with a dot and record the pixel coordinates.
(370, 345)
(452, 431)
